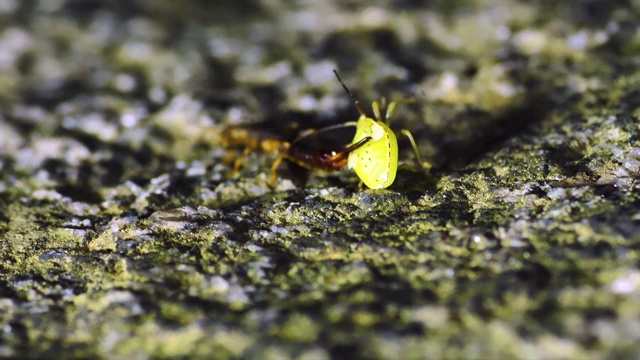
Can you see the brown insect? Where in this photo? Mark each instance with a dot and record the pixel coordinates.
(255, 139)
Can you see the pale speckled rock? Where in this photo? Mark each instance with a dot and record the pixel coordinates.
(125, 232)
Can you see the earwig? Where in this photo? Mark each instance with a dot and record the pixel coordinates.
(316, 159)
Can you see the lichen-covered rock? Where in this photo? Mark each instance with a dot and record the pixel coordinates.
(127, 230)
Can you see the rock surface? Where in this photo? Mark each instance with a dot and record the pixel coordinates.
(124, 232)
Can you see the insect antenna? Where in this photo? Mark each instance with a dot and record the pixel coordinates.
(311, 132)
(360, 111)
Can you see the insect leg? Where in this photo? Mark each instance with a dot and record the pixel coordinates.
(274, 170)
(389, 114)
(237, 164)
(392, 108)
(376, 110)
(424, 166)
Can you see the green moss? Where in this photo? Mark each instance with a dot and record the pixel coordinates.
(132, 237)
(297, 328)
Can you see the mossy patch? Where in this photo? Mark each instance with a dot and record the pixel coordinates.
(125, 230)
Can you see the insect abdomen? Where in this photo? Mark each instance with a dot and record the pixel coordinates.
(375, 162)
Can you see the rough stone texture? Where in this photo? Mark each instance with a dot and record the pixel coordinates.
(125, 234)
